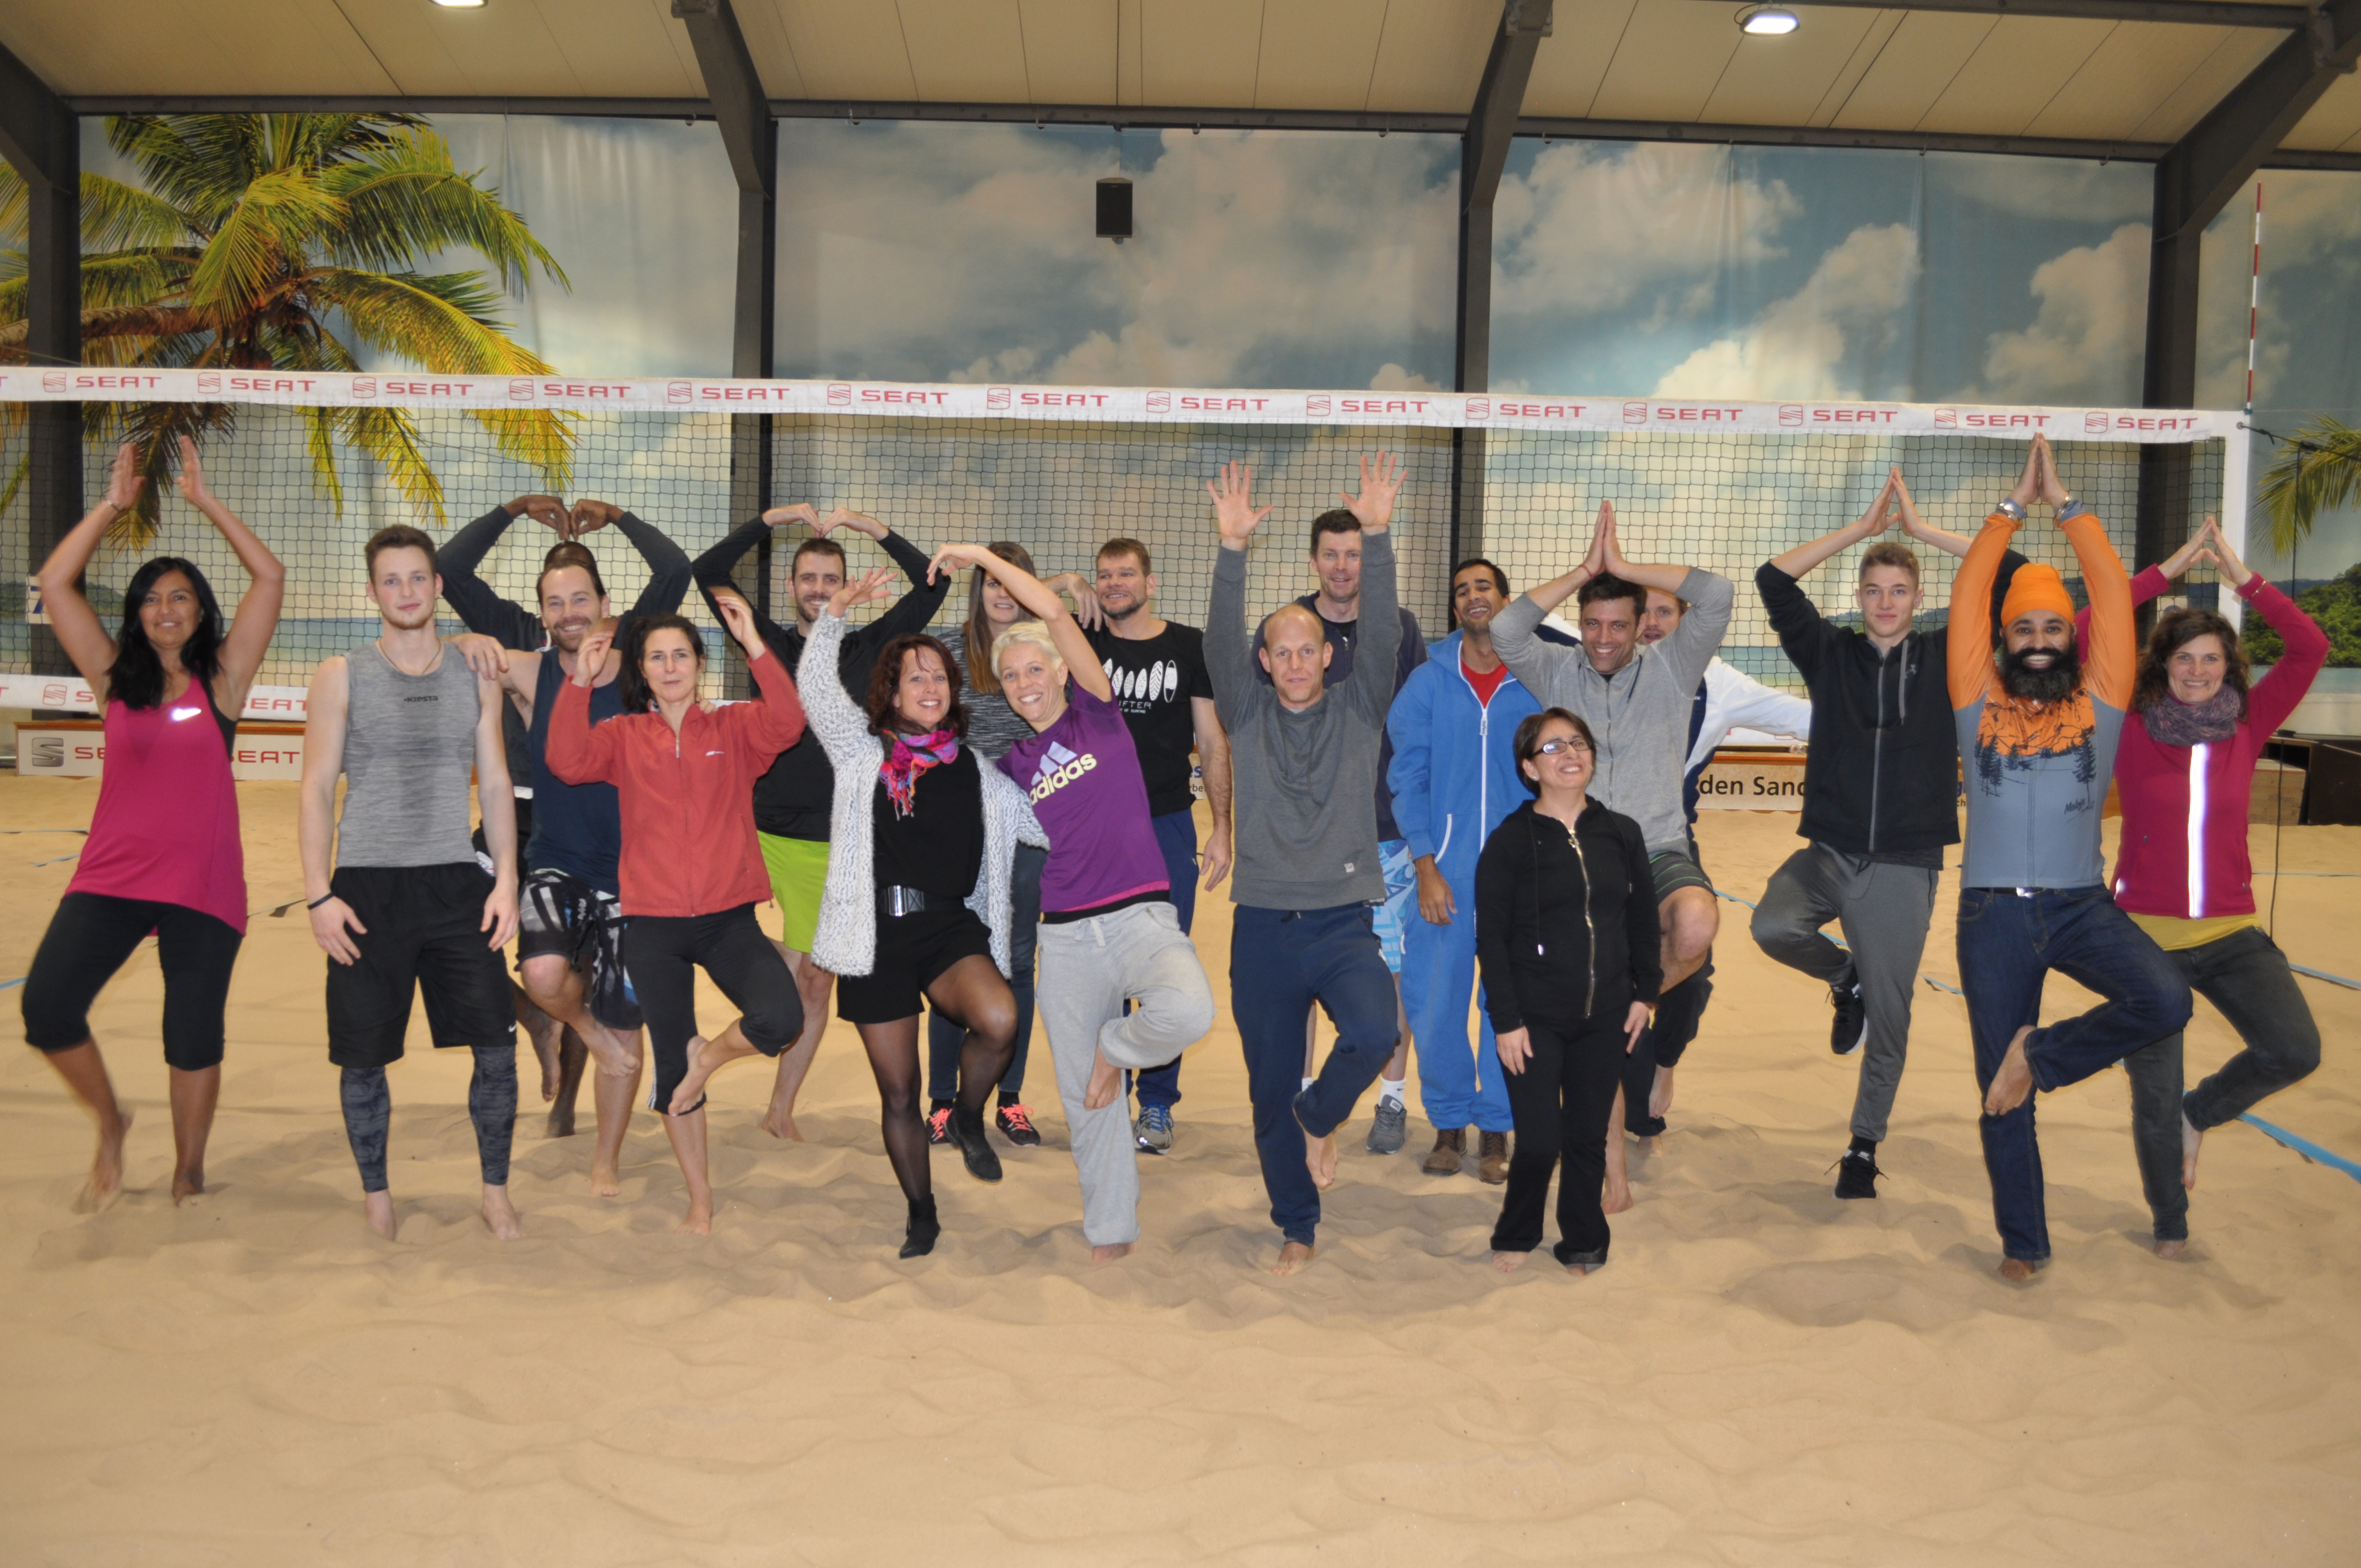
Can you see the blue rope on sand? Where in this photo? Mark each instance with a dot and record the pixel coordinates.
(2323, 974)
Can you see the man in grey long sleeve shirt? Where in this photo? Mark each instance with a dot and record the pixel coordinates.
(1636, 698)
(1303, 763)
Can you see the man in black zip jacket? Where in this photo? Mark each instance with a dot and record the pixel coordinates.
(792, 801)
(1881, 801)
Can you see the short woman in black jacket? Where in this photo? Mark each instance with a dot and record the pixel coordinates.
(1566, 936)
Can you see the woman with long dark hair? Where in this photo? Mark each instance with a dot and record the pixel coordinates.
(1566, 937)
(993, 727)
(2184, 773)
(163, 854)
(918, 904)
(690, 871)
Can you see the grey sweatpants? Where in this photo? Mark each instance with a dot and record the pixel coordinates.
(1883, 910)
(1089, 969)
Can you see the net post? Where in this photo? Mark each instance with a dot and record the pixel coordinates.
(2236, 454)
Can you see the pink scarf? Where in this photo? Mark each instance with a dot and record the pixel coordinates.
(913, 755)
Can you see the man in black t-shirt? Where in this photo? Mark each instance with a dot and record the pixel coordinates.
(1158, 671)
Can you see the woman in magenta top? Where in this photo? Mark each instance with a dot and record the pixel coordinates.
(1109, 934)
(163, 853)
(2185, 772)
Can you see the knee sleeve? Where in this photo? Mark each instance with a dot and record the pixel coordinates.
(368, 1112)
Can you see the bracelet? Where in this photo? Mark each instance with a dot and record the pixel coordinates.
(2011, 510)
(319, 901)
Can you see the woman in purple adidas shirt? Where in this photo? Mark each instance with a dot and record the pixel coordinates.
(1109, 932)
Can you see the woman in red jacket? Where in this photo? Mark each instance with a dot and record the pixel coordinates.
(2184, 773)
(691, 872)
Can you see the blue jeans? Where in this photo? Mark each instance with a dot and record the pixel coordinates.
(1281, 962)
(1456, 1086)
(2008, 943)
(1176, 835)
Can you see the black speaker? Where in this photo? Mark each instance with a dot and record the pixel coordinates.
(1114, 208)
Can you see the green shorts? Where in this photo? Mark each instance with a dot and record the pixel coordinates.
(798, 868)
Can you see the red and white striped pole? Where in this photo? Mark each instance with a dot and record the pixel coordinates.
(2255, 299)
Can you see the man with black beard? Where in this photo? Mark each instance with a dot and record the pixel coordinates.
(2037, 730)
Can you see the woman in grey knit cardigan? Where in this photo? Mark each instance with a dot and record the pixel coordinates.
(917, 904)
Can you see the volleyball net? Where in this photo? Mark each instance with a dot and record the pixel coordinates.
(1060, 470)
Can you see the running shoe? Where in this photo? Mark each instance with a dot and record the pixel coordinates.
(1850, 1029)
(1015, 1124)
(1152, 1130)
(939, 1125)
(1388, 1133)
(1857, 1174)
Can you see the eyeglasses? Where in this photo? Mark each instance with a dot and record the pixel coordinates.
(1572, 743)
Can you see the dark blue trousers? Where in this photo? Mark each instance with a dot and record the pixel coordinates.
(1176, 835)
(1281, 962)
(2008, 943)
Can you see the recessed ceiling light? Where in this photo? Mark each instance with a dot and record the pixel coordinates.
(460, 4)
(1767, 21)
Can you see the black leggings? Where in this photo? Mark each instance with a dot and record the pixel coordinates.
(663, 954)
(947, 1037)
(92, 935)
(491, 1106)
(1561, 1103)
(971, 989)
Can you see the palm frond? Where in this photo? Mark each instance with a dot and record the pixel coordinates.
(2319, 471)
(135, 278)
(115, 217)
(388, 435)
(12, 203)
(541, 437)
(407, 200)
(14, 487)
(402, 313)
(320, 440)
(199, 163)
(153, 431)
(262, 241)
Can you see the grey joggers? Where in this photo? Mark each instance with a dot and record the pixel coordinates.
(1884, 911)
(1089, 969)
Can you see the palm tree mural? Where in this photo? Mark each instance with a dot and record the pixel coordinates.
(2318, 471)
(291, 242)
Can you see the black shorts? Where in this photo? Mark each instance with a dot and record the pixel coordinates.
(525, 836)
(561, 916)
(913, 951)
(425, 934)
(91, 937)
(1673, 869)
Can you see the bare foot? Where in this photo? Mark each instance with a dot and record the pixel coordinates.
(1291, 1258)
(1106, 1082)
(106, 1184)
(605, 1181)
(1510, 1262)
(2192, 1139)
(2016, 1270)
(561, 1120)
(705, 1058)
(377, 1207)
(699, 1220)
(2013, 1083)
(545, 1033)
(1320, 1157)
(779, 1121)
(1617, 1196)
(1109, 1254)
(1579, 1269)
(1659, 1093)
(500, 1215)
(188, 1182)
(2172, 1249)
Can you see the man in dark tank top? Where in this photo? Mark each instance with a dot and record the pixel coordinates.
(397, 897)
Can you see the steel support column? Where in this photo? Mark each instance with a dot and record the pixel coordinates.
(40, 138)
(1491, 126)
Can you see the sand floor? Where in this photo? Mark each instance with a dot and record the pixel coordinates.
(1762, 1376)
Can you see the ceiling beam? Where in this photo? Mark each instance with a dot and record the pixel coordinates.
(42, 140)
(1833, 136)
(2193, 13)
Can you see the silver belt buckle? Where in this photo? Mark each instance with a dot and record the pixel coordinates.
(897, 901)
(2026, 892)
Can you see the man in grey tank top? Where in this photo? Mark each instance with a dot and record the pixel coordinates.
(397, 897)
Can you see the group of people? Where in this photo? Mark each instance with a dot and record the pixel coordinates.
(997, 825)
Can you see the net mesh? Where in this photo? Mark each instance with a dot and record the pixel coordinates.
(1724, 502)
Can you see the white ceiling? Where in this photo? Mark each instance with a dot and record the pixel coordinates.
(1681, 60)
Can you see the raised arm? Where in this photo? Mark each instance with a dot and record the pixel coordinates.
(1976, 589)
(828, 708)
(2275, 694)
(2111, 662)
(916, 609)
(1374, 662)
(461, 556)
(776, 722)
(80, 631)
(257, 617)
(1881, 516)
(669, 570)
(1030, 591)
(1229, 651)
(578, 751)
(712, 569)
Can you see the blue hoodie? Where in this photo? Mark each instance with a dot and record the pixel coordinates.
(1455, 772)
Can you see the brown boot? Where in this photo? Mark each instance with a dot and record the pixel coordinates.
(1450, 1148)
(1493, 1164)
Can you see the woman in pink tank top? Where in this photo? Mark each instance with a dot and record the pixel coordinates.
(163, 853)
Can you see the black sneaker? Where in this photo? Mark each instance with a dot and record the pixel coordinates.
(1016, 1125)
(1857, 1174)
(965, 1131)
(1850, 1029)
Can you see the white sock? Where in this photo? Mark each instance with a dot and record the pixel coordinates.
(1307, 1083)
(1396, 1090)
